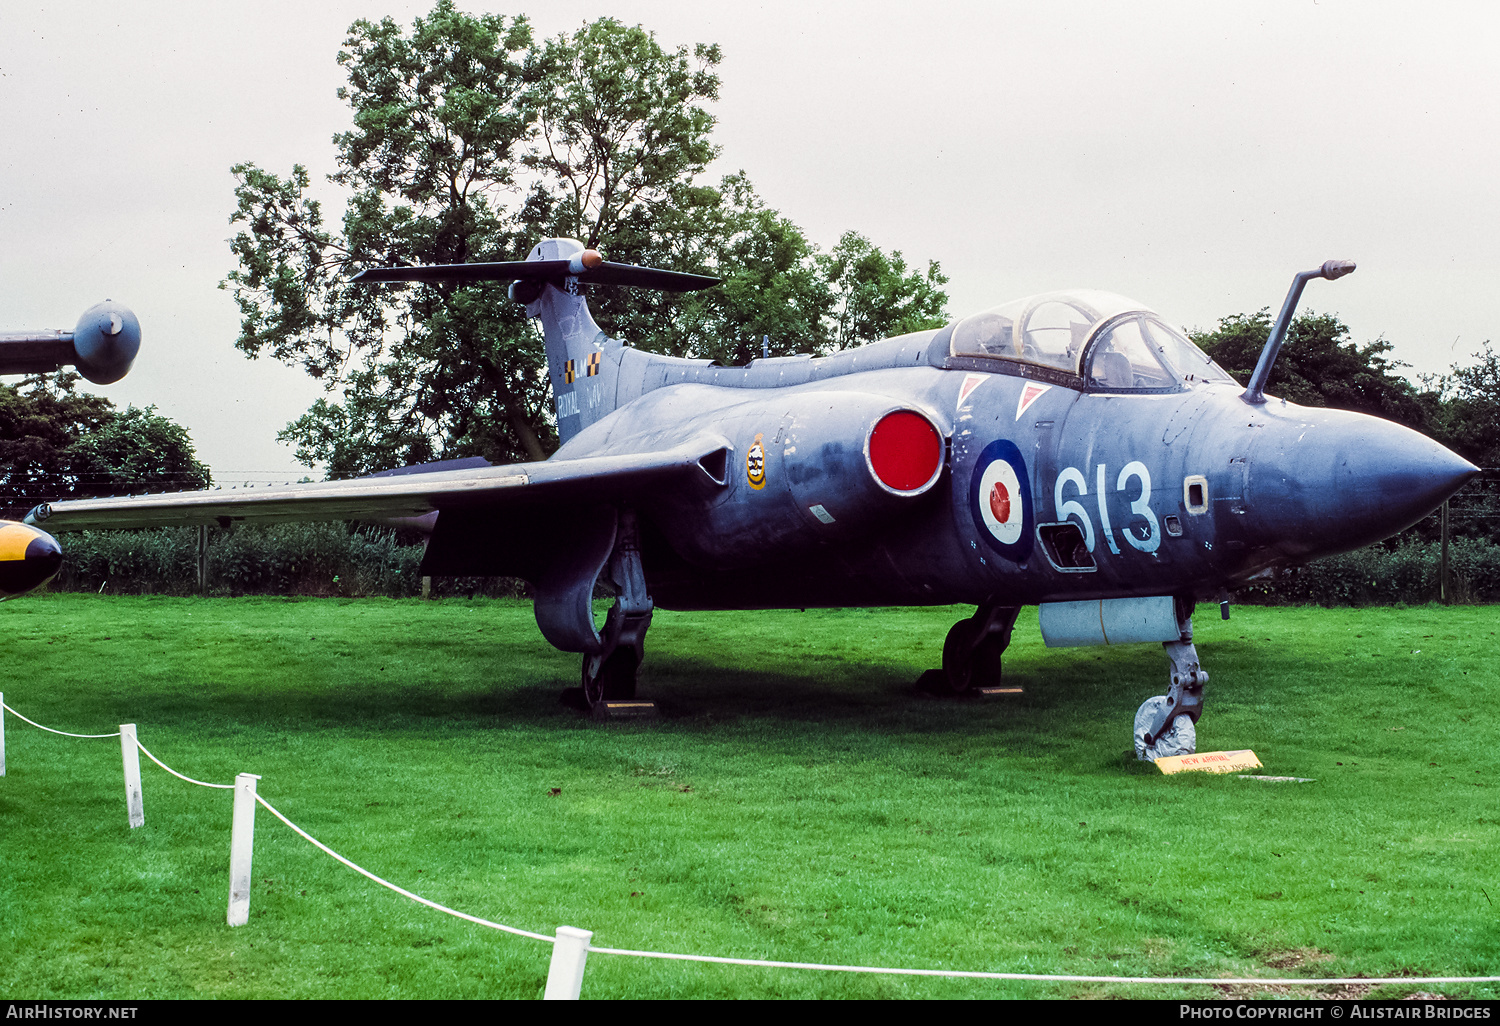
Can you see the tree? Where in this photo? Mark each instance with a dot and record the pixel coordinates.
(771, 287)
(136, 450)
(470, 142)
(1319, 365)
(623, 134)
(424, 370)
(876, 297)
(1469, 422)
(56, 442)
(623, 131)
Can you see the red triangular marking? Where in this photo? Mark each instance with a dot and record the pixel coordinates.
(971, 382)
(1030, 394)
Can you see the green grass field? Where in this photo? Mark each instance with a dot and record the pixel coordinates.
(798, 800)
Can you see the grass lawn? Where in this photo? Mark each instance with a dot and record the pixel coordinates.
(798, 800)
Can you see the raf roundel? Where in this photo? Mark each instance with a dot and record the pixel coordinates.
(1000, 499)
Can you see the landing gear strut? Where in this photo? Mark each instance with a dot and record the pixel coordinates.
(610, 672)
(972, 651)
(1166, 725)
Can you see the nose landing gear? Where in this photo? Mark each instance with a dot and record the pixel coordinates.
(1166, 724)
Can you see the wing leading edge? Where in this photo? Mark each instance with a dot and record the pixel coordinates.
(553, 483)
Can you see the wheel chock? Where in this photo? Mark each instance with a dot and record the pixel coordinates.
(624, 709)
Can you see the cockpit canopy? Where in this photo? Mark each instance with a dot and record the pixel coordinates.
(1114, 343)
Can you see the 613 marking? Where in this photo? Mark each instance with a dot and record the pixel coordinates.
(1140, 506)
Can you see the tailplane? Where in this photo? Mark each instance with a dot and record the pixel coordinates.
(582, 362)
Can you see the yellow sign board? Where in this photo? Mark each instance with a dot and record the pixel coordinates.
(1209, 762)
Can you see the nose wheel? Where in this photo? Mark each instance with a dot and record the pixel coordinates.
(1181, 738)
(1167, 724)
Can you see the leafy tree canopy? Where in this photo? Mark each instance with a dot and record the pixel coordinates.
(1319, 365)
(876, 297)
(472, 140)
(1469, 419)
(56, 442)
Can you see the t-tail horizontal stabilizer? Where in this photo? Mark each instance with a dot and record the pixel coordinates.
(581, 362)
(588, 267)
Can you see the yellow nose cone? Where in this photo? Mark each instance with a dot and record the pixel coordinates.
(29, 558)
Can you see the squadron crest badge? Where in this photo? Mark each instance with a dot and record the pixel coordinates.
(755, 464)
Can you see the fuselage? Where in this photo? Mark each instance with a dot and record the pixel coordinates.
(1065, 473)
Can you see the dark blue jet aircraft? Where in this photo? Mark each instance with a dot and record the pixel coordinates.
(1072, 450)
(102, 347)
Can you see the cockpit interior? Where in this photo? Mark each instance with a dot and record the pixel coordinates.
(1114, 344)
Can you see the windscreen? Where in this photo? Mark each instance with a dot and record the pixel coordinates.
(1140, 351)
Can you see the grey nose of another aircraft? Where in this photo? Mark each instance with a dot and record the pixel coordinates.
(1330, 481)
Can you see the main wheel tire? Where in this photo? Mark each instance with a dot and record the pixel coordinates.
(1181, 738)
(984, 662)
(957, 664)
(612, 677)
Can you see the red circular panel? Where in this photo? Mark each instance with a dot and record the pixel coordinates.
(905, 450)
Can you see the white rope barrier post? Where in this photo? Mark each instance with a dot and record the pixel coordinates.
(2, 733)
(134, 805)
(241, 844)
(565, 974)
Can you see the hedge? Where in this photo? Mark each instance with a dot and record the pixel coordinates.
(283, 559)
(333, 559)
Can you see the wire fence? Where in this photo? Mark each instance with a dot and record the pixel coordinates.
(571, 946)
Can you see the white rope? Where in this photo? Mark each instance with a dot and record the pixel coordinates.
(49, 730)
(771, 964)
(401, 890)
(964, 974)
(1358, 980)
(169, 769)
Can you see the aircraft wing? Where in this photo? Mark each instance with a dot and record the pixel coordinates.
(556, 483)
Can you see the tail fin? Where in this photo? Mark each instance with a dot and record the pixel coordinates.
(582, 361)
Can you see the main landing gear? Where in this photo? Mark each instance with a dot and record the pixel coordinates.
(1166, 724)
(610, 672)
(972, 651)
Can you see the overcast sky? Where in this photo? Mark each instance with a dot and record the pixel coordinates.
(1190, 155)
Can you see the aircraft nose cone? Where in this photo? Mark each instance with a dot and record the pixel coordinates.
(1337, 481)
(29, 558)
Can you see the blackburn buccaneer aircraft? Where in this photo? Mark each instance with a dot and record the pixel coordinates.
(102, 347)
(1072, 450)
